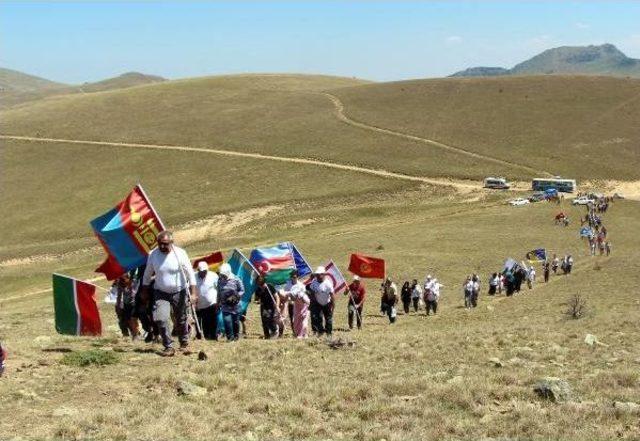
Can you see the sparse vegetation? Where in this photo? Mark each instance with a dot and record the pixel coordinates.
(91, 357)
(576, 307)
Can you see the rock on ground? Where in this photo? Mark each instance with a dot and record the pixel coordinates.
(186, 388)
(554, 389)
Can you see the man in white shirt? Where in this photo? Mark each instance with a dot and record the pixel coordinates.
(207, 305)
(174, 281)
(322, 302)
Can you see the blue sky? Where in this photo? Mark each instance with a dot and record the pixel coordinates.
(78, 42)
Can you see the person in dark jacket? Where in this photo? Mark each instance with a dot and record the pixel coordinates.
(230, 292)
(405, 296)
(265, 295)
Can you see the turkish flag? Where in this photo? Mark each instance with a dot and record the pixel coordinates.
(367, 267)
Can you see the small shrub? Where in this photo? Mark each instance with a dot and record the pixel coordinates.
(91, 357)
(576, 307)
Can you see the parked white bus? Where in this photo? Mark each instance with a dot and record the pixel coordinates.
(563, 185)
(498, 183)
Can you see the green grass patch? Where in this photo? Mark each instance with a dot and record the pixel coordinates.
(91, 357)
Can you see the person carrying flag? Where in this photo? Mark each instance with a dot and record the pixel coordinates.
(174, 281)
(230, 292)
(321, 289)
(356, 292)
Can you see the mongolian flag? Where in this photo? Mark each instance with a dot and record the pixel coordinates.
(213, 260)
(367, 267)
(537, 255)
(128, 233)
(75, 307)
(276, 263)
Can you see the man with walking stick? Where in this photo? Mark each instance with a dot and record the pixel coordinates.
(174, 286)
(357, 293)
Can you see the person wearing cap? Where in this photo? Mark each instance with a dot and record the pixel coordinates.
(356, 293)
(265, 295)
(207, 305)
(389, 299)
(230, 292)
(321, 289)
(174, 281)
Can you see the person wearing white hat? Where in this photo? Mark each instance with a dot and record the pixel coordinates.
(207, 303)
(357, 293)
(230, 292)
(322, 302)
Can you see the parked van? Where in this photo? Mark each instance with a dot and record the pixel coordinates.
(497, 183)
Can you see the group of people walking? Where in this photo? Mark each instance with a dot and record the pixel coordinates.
(161, 296)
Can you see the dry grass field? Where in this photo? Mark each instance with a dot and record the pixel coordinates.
(421, 378)
(582, 127)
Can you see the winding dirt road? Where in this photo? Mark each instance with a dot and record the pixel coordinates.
(342, 116)
(464, 186)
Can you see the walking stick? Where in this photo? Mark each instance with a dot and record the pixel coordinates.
(354, 306)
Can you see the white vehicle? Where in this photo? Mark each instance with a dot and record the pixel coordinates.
(518, 202)
(497, 183)
(582, 200)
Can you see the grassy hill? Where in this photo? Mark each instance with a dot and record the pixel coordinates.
(14, 81)
(129, 79)
(272, 114)
(605, 59)
(581, 127)
(423, 377)
(17, 88)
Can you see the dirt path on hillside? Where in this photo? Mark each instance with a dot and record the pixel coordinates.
(463, 186)
(342, 116)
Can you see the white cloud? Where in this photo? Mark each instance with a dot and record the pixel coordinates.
(580, 25)
(453, 39)
(541, 42)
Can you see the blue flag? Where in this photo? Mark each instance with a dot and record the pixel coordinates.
(537, 255)
(243, 270)
(301, 264)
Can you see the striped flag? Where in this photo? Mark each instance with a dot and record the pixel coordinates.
(213, 260)
(75, 307)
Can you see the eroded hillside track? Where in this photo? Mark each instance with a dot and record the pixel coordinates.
(342, 116)
(458, 185)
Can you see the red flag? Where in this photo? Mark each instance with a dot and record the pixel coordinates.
(110, 268)
(214, 260)
(367, 267)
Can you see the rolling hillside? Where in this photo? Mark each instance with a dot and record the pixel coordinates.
(605, 59)
(581, 127)
(226, 162)
(285, 115)
(17, 87)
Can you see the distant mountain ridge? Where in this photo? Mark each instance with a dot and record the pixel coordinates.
(18, 87)
(605, 59)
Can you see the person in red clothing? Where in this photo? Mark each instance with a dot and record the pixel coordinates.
(356, 293)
